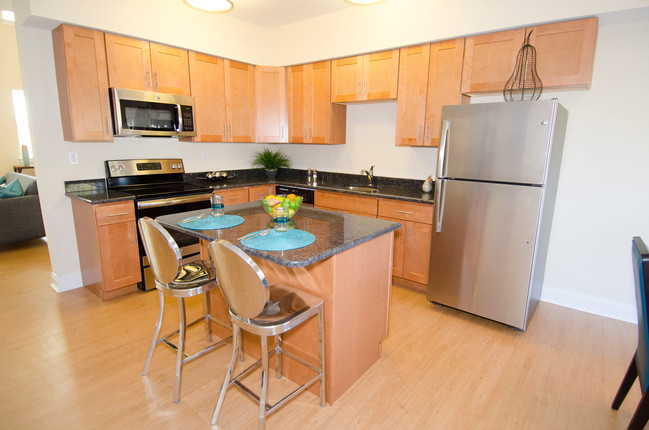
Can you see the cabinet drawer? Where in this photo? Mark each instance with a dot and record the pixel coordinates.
(346, 202)
(234, 196)
(258, 192)
(406, 210)
(111, 213)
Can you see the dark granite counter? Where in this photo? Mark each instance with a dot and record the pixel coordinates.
(335, 232)
(94, 191)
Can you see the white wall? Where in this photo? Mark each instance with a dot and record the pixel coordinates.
(598, 209)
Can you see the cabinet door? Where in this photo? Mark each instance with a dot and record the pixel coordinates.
(319, 127)
(444, 82)
(346, 79)
(271, 116)
(411, 101)
(298, 99)
(565, 52)
(239, 101)
(208, 90)
(258, 192)
(170, 69)
(82, 79)
(416, 252)
(119, 255)
(380, 75)
(129, 63)
(397, 253)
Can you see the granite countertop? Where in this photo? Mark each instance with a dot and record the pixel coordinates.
(335, 232)
(94, 191)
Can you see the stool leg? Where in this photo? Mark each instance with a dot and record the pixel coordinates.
(278, 357)
(181, 348)
(156, 333)
(264, 382)
(321, 344)
(236, 338)
(206, 312)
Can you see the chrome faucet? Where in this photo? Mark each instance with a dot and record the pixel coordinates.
(370, 175)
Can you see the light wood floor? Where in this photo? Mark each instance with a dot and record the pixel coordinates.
(71, 361)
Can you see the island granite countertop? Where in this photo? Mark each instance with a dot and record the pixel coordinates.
(334, 232)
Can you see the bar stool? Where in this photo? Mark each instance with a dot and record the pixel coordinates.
(264, 310)
(175, 279)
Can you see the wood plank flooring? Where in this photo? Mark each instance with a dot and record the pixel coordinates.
(71, 361)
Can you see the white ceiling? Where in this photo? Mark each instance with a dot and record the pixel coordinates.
(275, 13)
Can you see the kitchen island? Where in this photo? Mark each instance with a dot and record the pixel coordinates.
(349, 266)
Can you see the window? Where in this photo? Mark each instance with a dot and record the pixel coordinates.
(20, 110)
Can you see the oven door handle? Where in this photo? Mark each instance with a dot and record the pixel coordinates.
(156, 203)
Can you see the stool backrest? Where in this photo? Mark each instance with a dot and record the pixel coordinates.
(243, 283)
(640, 256)
(161, 250)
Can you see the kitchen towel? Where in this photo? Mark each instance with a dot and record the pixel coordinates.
(275, 241)
(213, 223)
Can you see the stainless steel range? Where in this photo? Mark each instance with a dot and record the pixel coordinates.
(159, 189)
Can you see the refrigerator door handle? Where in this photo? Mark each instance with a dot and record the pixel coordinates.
(441, 154)
(440, 191)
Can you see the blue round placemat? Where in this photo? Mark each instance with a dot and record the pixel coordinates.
(213, 223)
(275, 241)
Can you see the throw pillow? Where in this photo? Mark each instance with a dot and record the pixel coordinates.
(2, 179)
(12, 189)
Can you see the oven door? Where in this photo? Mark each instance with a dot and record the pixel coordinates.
(189, 246)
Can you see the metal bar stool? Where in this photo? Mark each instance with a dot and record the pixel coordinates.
(180, 281)
(264, 310)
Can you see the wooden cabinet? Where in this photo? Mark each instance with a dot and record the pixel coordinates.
(223, 99)
(146, 66)
(234, 195)
(271, 115)
(349, 203)
(108, 247)
(312, 118)
(258, 192)
(412, 241)
(565, 54)
(429, 78)
(239, 101)
(82, 80)
(208, 90)
(365, 77)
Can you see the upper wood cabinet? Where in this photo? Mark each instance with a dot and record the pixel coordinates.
(80, 59)
(223, 99)
(312, 118)
(240, 100)
(365, 77)
(429, 78)
(208, 90)
(271, 115)
(565, 54)
(146, 66)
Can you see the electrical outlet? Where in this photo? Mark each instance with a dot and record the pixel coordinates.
(74, 158)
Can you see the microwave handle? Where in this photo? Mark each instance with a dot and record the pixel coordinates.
(180, 119)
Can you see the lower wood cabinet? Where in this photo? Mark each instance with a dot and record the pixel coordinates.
(108, 247)
(258, 192)
(411, 256)
(234, 195)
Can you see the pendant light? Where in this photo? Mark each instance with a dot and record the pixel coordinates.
(364, 2)
(524, 83)
(210, 5)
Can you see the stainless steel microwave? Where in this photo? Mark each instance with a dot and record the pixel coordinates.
(147, 113)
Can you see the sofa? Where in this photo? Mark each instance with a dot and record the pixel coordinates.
(21, 216)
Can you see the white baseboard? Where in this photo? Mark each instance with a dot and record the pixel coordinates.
(66, 283)
(591, 304)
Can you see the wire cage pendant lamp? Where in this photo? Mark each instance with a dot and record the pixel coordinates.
(524, 83)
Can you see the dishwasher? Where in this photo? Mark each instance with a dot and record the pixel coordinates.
(305, 193)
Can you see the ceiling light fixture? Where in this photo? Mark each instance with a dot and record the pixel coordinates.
(210, 5)
(364, 2)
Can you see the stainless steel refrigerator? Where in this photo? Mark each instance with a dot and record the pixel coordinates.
(497, 172)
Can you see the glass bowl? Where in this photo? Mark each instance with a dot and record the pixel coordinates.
(290, 202)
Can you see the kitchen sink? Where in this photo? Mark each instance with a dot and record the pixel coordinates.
(369, 190)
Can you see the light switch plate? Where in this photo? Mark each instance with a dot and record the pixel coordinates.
(74, 158)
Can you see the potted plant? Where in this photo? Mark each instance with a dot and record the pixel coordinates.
(271, 161)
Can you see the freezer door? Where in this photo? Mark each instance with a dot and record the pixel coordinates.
(482, 256)
(501, 142)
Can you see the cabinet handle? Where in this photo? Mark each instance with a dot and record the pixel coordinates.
(357, 88)
(157, 80)
(426, 133)
(407, 231)
(308, 131)
(148, 78)
(406, 212)
(119, 214)
(231, 131)
(133, 232)
(234, 198)
(364, 88)
(304, 133)
(225, 131)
